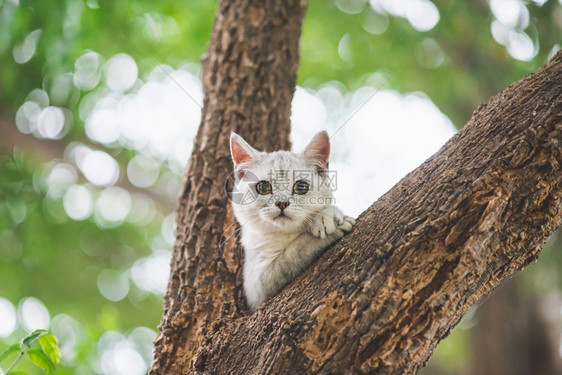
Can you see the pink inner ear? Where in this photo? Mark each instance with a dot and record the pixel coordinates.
(239, 155)
(318, 151)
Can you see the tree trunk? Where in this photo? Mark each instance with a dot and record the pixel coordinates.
(384, 296)
(249, 76)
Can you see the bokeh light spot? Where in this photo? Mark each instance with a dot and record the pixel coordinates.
(375, 23)
(143, 171)
(121, 73)
(430, 54)
(77, 202)
(38, 96)
(119, 355)
(351, 6)
(142, 209)
(68, 331)
(51, 123)
(520, 46)
(168, 228)
(507, 11)
(422, 14)
(26, 117)
(100, 168)
(33, 314)
(151, 273)
(60, 178)
(112, 206)
(24, 51)
(345, 48)
(8, 318)
(143, 338)
(103, 126)
(87, 73)
(113, 284)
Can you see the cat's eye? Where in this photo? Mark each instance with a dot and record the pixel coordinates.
(300, 187)
(263, 188)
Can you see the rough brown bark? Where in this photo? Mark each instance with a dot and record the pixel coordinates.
(382, 298)
(249, 76)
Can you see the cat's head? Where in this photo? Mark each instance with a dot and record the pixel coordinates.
(280, 190)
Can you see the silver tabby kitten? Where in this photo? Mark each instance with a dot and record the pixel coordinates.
(283, 203)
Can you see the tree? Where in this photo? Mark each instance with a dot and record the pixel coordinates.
(382, 298)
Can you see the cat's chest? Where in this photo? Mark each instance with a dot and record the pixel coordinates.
(267, 246)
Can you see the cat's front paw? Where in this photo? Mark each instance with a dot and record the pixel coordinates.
(346, 224)
(330, 220)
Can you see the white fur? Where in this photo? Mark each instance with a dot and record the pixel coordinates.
(277, 249)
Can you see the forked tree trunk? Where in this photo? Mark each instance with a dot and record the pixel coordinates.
(384, 296)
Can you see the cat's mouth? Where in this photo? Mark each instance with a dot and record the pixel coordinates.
(281, 217)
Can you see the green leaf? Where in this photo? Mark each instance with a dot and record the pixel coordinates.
(50, 346)
(41, 360)
(18, 372)
(12, 349)
(30, 339)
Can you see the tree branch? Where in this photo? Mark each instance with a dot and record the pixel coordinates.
(418, 258)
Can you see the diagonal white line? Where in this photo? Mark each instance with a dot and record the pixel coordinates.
(373, 95)
(176, 82)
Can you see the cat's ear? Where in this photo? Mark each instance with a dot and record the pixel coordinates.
(242, 154)
(318, 151)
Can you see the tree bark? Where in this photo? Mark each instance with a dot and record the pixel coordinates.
(384, 296)
(249, 76)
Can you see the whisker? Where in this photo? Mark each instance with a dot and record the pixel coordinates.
(237, 231)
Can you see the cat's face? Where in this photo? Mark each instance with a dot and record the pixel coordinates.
(280, 190)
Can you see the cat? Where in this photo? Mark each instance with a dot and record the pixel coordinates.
(283, 203)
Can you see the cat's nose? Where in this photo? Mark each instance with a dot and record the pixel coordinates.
(282, 205)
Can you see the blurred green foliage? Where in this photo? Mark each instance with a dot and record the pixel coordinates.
(171, 31)
(45, 355)
(46, 254)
